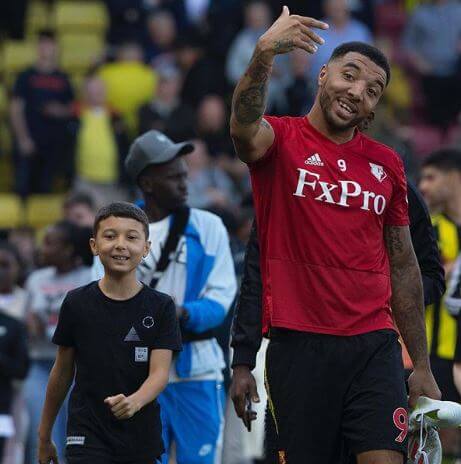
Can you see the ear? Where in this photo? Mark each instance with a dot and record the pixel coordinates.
(322, 75)
(94, 248)
(147, 248)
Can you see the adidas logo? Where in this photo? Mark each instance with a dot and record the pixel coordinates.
(132, 336)
(314, 160)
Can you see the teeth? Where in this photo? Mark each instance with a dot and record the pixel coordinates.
(120, 258)
(346, 107)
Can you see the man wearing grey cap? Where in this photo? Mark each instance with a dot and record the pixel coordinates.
(190, 260)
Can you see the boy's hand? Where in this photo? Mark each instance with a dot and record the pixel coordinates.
(47, 452)
(121, 406)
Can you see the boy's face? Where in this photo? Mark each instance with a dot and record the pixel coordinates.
(120, 244)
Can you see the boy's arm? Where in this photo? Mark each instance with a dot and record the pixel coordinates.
(124, 407)
(60, 380)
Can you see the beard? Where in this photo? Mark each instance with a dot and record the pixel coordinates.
(326, 104)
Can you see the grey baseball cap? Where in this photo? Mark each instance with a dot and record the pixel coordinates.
(153, 147)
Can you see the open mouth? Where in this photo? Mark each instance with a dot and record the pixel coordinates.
(121, 258)
(346, 108)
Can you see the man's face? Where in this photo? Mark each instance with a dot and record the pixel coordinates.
(349, 89)
(54, 250)
(166, 184)
(47, 49)
(120, 244)
(436, 185)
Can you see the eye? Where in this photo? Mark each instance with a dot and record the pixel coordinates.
(348, 76)
(372, 92)
(132, 237)
(109, 236)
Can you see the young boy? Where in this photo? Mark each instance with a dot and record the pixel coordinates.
(117, 336)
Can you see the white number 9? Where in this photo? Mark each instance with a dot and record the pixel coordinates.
(342, 165)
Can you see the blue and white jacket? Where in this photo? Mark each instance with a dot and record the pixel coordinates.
(201, 278)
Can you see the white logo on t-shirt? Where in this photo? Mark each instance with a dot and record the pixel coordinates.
(140, 354)
(314, 160)
(378, 171)
(74, 440)
(132, 336)
(338, 194)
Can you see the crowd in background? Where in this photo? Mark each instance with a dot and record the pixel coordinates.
(171, 65)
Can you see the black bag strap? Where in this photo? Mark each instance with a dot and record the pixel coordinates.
(180, 220)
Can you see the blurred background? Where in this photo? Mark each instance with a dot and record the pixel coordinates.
(80, 79)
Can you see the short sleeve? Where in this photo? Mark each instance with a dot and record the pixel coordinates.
(278, 126)
(168, 334)
(64, 333)
(397, 211)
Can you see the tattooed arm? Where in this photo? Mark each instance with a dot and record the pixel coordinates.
(408, 308)
(252, 135)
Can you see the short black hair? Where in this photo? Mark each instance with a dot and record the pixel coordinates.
(78, 237)
(80, 198)
(445, 159)
(121, 209)
(371, 52)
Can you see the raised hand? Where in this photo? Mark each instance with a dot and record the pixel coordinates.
(292, 31)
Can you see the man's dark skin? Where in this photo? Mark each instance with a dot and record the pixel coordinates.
(358, 82)
(247, 323)
(164, 189)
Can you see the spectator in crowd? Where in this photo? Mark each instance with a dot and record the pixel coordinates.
(127, 19)
(166, 112)
(203, 74)
(23, 239)
(66, 257)
(212, 126)
(129, 83)
(440, 185)
(13, 304)
(208, 186)
(343, 28)
(257, 19)
(432, 40)
(161, 38)
(40, 111)
(14, 363)
(202, 283)
(102, 142)
(300, 92)
(80, 209)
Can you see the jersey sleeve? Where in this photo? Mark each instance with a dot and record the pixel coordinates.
(20, 87)
(168, 335)
(397, 211)
(64, 333)
(278, 126)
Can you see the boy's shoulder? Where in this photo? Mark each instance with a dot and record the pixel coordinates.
(81, 293)
(157, 297)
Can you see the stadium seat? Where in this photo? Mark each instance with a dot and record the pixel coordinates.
(37, 17)
(11, 211)
(6, 164)
(43, 210)
(3, 101)
(17, 55)
(79, 16)
(79, 51)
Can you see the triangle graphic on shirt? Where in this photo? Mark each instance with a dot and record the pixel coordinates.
(132, 336)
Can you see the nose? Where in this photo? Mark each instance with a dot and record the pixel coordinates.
(355, 91)
(120, 245)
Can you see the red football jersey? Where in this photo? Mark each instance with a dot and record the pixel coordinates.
(321, 208)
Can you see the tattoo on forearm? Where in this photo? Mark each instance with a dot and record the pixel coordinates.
(392, 237)
(407, 293)
(250, 101)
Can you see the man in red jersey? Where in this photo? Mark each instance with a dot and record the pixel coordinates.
(332, 220)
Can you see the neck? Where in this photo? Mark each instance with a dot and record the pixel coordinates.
(46, 66)
(120, 286)
(453, 209)
(318, 121)
(154, 212)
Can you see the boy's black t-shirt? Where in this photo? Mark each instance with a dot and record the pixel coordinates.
(113, 342)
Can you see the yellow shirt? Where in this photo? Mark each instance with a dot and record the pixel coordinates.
(440, 325)
(97, 153)
(129, 85)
